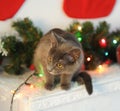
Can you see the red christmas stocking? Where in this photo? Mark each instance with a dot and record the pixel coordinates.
(8, 8)
(88, 8)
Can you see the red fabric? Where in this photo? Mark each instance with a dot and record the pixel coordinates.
(8, 8)
(118, 54)
(88, 8)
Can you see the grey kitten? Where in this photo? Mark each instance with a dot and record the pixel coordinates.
(61, 56)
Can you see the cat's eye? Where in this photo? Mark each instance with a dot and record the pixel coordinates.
(49, 59)
(60, 66)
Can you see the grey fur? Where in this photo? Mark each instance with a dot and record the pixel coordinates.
(55, 48)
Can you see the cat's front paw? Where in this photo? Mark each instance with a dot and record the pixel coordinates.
(49, 86)
(65, 86)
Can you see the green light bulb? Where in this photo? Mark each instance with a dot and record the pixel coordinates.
(41, 73)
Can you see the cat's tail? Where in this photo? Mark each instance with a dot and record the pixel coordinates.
(85, 78)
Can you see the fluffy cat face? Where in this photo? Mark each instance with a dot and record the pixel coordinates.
(59, 62)
(62, 57)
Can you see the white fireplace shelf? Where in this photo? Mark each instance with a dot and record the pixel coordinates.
(105, 97)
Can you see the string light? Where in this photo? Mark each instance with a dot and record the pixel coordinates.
(103, 42)
(40, 75)
(108, 62)
(12, 91)
(114, 41)
(77, 26)
(80, 28)
(79, 36)
(101, 68)
(88, 59)
(106, 53)
(18, 88)
(80, 39)
(30, 85)
(19, 95)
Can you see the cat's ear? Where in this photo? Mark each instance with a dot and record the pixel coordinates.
(53, 40)
(59, 37)
(69, 58)
(72, 55)
(75, 54)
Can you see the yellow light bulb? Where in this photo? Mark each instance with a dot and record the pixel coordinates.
(79, 28)
(101, 68)
(32, 86)
(12, 91)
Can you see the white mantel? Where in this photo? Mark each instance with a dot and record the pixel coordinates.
(105, 97)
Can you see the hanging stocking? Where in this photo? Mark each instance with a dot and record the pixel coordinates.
(8, 8)
(88, 8)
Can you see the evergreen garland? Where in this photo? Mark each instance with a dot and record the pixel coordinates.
(99, 44)
(21, 49)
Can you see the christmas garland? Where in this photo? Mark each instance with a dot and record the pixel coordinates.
(99, 44)
(20, 49)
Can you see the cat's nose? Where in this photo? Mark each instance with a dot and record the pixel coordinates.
(49, 70)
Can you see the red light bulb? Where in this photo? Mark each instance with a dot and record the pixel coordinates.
(103, 43)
